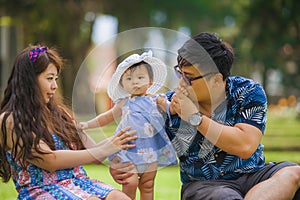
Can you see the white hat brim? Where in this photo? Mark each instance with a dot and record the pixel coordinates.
(115, 91)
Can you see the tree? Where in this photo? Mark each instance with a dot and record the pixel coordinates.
(272, 31)
(63, 24)
(197, 15)
(264, 33)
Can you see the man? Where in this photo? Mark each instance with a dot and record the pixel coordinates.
(217, 132)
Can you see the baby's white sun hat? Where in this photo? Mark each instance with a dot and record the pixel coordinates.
(115, 91)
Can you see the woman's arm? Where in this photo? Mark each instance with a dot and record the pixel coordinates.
(62, 159)
(87, 140)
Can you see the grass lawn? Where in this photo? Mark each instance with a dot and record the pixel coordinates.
(282, 136)
(167, 182)
(281, 142)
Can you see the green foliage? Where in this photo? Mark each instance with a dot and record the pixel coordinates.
(265, 35)
(272, 33)
(60, 24)
(194, 14)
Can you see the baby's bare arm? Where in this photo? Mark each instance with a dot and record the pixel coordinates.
(164, 104)
(103, 118)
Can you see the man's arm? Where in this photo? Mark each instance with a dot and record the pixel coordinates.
(241, 139)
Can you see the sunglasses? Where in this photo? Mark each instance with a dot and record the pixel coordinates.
(188, 80)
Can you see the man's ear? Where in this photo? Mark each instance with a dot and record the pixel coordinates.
(218, 79)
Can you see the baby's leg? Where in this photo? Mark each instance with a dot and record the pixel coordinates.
(130, 188)
(146, 183)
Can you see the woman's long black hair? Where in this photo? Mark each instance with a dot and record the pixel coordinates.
(33, 121)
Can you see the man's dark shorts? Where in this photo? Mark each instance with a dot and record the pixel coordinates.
(230, 189)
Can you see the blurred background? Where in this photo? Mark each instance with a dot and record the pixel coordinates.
(264, 34)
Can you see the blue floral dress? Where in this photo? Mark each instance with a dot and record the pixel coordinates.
(36, 183)
(152, 145)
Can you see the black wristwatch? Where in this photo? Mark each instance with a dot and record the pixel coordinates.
(195, 119)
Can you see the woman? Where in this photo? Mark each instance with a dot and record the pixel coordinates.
(40, 147)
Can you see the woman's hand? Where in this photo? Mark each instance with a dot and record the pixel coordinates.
(116, 143)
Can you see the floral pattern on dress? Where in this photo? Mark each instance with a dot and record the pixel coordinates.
(36, 183)
(152, 145)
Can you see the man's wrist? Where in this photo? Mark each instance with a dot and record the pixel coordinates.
(195, 119)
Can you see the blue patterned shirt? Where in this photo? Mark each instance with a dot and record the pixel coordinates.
(199, 159)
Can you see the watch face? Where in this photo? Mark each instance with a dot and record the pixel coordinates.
(195, 119)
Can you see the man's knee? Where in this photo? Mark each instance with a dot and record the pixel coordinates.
(296, 174)
(293, 172)
(296, 169)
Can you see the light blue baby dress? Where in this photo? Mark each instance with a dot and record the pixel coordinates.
(152, 145)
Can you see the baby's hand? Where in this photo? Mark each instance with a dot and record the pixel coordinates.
(83, 125)
(161, 102)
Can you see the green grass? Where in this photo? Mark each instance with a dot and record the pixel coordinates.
(167, 182)
(281, 138)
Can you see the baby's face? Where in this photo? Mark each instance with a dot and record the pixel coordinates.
(136, 81)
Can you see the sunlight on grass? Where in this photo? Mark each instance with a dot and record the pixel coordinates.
(278, 156)
(7, 191)
(167, 181)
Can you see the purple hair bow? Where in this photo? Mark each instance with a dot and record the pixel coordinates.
(34, 53)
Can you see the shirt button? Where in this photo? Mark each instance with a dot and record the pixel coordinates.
(216, 155)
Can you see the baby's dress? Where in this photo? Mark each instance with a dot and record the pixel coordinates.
(152, 143)
(73, 183)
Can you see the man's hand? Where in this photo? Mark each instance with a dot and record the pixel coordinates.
(121, 171)
(182, 104)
